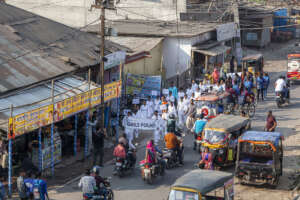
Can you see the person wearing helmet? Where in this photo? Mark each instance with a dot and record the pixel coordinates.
(171, 123)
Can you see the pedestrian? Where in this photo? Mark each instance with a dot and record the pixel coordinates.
(98, 142)
(157, 131)
(215, 76)
(91, 129)
(232, 64)
(22, 190)
(40, 189)
(194, 85)
(2, 189)
(266, 83)
(174, 91)
(260, 86)
(271, 122)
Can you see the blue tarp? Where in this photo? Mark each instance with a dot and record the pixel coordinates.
(280, 21)
(273, 137)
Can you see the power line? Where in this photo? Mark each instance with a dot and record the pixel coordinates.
(47, 45)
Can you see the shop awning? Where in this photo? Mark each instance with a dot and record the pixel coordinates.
(33, 108)
(214, 51)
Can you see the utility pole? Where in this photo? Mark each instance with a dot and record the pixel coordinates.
(238, 47)
(99, 4)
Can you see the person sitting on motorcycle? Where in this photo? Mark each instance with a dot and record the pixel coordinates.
(172, 143)
(120, 150)
(171, 125)
(199, 125)
(88, 184)
(99, 180)
(280, 86)
(206, 160)
(128, 146)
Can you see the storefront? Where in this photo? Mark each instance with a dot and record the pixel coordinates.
(46, 123)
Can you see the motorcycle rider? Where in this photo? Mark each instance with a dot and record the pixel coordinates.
(280, 86)
(172, 143)
(199, 125)
(88, 184)
(99, 180)
(130, 157)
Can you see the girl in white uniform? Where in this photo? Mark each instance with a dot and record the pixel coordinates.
(158, 130)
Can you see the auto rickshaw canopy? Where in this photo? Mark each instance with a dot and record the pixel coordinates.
(227, 123)
(254, 57)
(212, 96)
(203, 181)
(261, 137)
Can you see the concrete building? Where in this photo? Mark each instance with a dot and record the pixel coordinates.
(76, 13)
(144, 54)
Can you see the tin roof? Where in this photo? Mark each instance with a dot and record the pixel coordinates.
(51, 48)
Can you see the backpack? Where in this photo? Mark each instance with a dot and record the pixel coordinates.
(36, 190)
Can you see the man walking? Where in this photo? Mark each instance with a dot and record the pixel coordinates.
(266, 83)
(21, 186)
(260, 87)
(98, 142)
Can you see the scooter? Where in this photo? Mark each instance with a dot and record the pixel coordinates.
(106, 194)
(281, 99)
(151, 171)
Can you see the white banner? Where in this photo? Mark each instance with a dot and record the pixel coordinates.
(141, 124)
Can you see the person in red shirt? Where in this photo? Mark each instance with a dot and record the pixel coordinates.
(271, 122)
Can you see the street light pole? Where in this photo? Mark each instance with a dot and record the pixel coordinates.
(102, 31)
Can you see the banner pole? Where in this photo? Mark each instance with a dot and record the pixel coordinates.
(75, 135)
(40, 150)
(52, 130)
(10, 157)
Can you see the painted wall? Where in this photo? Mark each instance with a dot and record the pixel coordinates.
(147, 66)
(177, 53)
(76, 13)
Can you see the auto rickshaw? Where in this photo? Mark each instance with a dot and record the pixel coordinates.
(259, 157)
(220, 136)
(211, 104)
(203, 185)
(253, 63)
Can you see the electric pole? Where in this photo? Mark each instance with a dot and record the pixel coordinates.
(99, 4)
(238, 47)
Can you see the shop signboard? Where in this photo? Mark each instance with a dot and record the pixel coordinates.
(226, 31)
(142, 85)
(42, 116)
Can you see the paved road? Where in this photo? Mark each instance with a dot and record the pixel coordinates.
(133, 188)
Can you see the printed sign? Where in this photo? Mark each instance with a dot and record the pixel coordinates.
(141, 124)
(142, 85)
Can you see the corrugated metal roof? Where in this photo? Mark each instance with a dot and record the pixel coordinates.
(22, 31)
(39, 96)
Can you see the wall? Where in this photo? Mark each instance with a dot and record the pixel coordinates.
(149, 65)
(76, 13)
(177, 53)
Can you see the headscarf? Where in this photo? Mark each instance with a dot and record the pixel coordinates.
(151, 150)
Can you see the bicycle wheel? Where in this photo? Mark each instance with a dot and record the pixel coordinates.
(251, 110)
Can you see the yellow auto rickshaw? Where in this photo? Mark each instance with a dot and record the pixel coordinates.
(253, 63)
(220, 136)
(203, 185)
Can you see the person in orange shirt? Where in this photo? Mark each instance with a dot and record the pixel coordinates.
(172, 143)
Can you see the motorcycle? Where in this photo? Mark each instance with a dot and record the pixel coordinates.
(105, 194)
(198, 143)
(124, 165)
(281, 99)
(150, 171)
(170, 156)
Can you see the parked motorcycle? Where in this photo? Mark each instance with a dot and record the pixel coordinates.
(106, 192)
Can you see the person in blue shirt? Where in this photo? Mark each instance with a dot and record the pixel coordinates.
(199, 125)
(248, 85)
(260, 87)
(266, 83)
(2, 189)
(41, 186)
(236, 87)
(174, 90)
(29, 185)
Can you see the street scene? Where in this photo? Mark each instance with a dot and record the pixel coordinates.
(135, 99)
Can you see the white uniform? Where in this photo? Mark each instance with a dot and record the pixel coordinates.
(189, 92)
(144, 111)
(170, 98)
(181, 109)
(172, 110)
(194, 87)
(165, 117)
(135, 131)
(157, 105)
(150, 105)
(128, 131)
(197, 94)
(180, 94)
(158, 129)
(279, 85)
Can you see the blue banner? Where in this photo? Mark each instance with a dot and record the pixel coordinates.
(143, 85)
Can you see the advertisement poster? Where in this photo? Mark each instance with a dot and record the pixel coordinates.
(142, 85)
